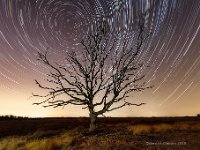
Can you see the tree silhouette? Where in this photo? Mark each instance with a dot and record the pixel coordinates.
(106, 67)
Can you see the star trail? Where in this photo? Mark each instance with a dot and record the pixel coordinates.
(172, 52)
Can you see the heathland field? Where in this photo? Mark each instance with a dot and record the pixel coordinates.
(163, 133)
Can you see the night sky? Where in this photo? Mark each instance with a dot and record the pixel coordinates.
(172, 51)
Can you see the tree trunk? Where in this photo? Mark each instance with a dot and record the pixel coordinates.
(93, 118)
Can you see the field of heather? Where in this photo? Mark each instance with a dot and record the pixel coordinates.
(176, 133)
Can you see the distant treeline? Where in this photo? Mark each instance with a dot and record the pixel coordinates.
(11, 117)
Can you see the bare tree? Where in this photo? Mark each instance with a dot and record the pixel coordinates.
(106, 67)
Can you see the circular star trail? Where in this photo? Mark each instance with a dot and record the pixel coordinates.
(172, 51)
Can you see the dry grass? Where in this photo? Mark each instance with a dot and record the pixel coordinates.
(112, 133)
(142, 129)
(163, 127)
(26, 143)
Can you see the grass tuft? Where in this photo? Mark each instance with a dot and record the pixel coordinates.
(26, 143)
(179, 126)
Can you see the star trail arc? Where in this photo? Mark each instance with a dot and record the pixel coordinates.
(172, 51)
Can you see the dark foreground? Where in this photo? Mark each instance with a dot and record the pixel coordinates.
(178, 133)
